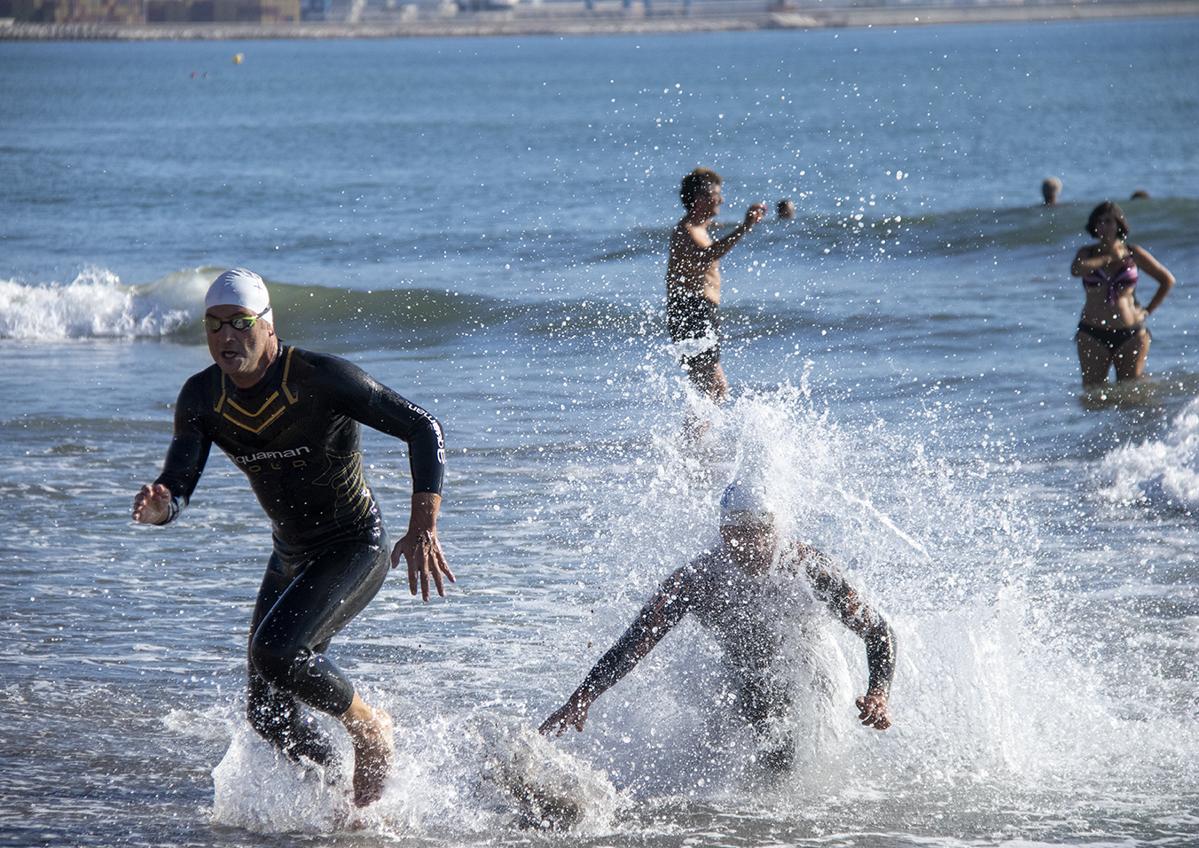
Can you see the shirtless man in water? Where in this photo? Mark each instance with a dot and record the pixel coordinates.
(727, 591)
(693, 279)
(289, 419)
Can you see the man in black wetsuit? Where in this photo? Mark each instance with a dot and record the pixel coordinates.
(289, 419)
(742, 593)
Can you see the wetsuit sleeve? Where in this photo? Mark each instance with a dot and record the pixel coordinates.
(189, 448)
(831, 587)
(369, 402)
(664, 610)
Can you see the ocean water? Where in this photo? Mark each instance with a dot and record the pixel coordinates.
(482, 225)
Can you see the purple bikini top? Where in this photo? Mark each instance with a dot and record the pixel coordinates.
(1117, 284)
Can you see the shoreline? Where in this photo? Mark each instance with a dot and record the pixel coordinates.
(599, 23)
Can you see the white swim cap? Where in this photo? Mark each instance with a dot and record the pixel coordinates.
(239, 287)
(741, 504)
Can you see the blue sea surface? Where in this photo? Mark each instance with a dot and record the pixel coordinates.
(482, 224)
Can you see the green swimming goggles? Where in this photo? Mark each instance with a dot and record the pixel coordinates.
(241, 323)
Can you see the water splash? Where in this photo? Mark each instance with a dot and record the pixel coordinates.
(472, 774)
(990, 693)
(1161, 471)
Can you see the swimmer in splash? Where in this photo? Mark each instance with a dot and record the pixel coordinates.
(725, 589)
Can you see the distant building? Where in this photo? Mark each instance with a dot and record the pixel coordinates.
(151, 11)
(222, 11)
(74, 11)
(315, 10)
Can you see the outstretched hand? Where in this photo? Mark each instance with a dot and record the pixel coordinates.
(152, 504)
(426, 561)
(754, 214)
(422, 549)
(571, 714)
(872, 710)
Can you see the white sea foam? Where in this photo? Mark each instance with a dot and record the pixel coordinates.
(462, 774)
(1162, 471)
(259, 789)
(96, 304)
(212, 724)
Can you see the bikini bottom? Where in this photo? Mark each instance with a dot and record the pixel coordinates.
(1112, 339)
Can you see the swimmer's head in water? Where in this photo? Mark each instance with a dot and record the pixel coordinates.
(1107, 210)
(742, 504)
(1051, 188)
(242, 344)
(698, 187)
(747, 527)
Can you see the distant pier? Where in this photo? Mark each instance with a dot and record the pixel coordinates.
(597, 18)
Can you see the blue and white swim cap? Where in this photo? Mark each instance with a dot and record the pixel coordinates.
(742, 504)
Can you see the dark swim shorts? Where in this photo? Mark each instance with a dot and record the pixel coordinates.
(694, 321)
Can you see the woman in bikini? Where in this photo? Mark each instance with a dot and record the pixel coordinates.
(1112, 328)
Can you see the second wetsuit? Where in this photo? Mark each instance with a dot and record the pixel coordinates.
(295, 435)
(749, 615)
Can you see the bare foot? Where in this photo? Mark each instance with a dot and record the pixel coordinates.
(373, 753)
